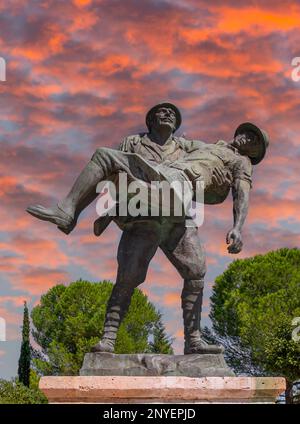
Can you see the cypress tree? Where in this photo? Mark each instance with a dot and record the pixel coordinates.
(162, 343)
(25, 355)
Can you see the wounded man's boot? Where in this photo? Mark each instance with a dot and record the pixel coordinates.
(56, 215)
(66, 212)
(117, 307)
(191, 297)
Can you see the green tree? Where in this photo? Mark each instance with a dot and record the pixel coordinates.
(161, 343)
(255, 301)
(238, 356)
(14, 392)
(25, 355)
(70, 320)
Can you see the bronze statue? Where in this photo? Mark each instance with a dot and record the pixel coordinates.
(161, 156)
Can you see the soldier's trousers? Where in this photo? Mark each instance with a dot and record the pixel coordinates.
(137, 247)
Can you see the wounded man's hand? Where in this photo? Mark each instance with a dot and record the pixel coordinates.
(220, 176)
(234, 239)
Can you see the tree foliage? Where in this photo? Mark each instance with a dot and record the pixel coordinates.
(14, 392)
(161, 341)
(69, 320)
(238, 356)
(25, 355)
(254, 302)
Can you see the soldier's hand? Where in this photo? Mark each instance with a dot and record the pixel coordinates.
(234, 239)
(220, 176)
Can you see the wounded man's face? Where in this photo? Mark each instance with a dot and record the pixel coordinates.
(247, 144)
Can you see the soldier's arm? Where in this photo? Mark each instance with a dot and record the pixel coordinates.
(240, 194)
(128, 144)
(190, 145)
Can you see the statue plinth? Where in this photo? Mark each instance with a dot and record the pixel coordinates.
(152, 365)
(154, 378)
(170, 389)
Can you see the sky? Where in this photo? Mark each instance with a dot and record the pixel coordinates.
(82, 74)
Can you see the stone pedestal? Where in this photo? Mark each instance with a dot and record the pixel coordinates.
(170, 389)
(148, 378)
(141, 364)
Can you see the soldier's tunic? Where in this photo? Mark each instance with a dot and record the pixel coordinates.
(192, 160)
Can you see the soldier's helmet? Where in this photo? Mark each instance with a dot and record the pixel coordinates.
(262, 137)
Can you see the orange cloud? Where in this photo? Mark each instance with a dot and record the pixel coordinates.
(39, 252)
(258, 19)
(171, 299)
(84, 21)
(82, 3)
(37, 282)
(7, 184)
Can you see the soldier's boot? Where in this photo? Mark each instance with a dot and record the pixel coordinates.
(117, 307)
(191, 298)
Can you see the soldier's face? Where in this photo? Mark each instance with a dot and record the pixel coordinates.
(164, 117)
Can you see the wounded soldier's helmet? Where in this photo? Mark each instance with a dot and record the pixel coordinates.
(262, 137)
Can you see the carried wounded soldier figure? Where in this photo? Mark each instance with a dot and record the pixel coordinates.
(220, 167)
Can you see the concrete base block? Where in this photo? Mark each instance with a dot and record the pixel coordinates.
(152, 365)
(166, 389)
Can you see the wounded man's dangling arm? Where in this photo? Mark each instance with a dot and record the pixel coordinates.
(240, 194)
